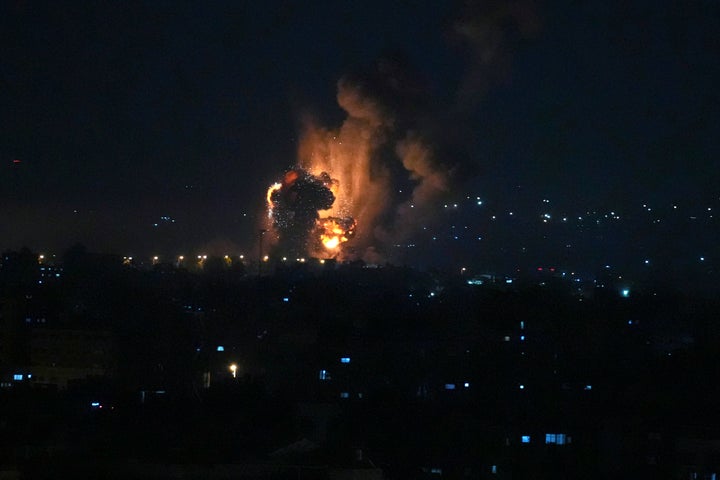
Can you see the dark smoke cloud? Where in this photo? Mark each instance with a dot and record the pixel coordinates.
(400, 149)
(491, 32)
(295, 209)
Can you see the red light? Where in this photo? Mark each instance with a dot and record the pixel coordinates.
(16, 161)
(552, 269)
(539, 269)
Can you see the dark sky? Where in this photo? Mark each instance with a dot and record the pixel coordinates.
(122, 113)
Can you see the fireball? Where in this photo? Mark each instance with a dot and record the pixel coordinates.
(293, 207)
(334, 231)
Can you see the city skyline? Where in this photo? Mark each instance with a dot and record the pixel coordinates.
(145, 129)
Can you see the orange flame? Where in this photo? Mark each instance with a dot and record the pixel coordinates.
(273, 188)
(334, 231)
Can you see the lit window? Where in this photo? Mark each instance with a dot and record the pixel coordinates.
(550, 438)
(324, 375)
(493, 469)
(344, 395)
(560, 439)
(525, 439)
(18, 376)
(588, 387)
(449, 386)
(345, 360)
(220, 348)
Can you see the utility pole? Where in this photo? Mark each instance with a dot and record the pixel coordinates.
(260, 250)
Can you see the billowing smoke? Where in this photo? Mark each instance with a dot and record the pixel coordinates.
(386, 171)
(294, 207)
(491, 31)
(380, 176)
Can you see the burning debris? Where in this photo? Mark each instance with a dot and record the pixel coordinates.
(294, 206)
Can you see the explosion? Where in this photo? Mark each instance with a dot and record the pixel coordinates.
(294, 206)
(376, 172)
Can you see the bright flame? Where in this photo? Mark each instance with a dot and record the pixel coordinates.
(334, 231)
(273, 188)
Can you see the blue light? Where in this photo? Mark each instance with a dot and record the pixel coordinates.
(18, 376)
(588, 387)
(449, 386)
(625, 292)
(220, 348)
(323, 375)
(345, 360)
(522, 338)
(286, 299)
(525, 439)
(345, 395)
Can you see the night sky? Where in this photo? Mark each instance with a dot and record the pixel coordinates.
(156, 127)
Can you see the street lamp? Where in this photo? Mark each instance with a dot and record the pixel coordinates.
(233, 369)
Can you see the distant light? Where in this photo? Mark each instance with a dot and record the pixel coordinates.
(522, 387)
(522, 338)
(323, 375)
(625, 293)
(18, 376)
(344, 395)
(647, 262)
(220, 348)
(286, 299)
(449, 386)
(233, 368)
(588, 387)
(525, 439)
(702, 259)
(466, 385)
(345, 360)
